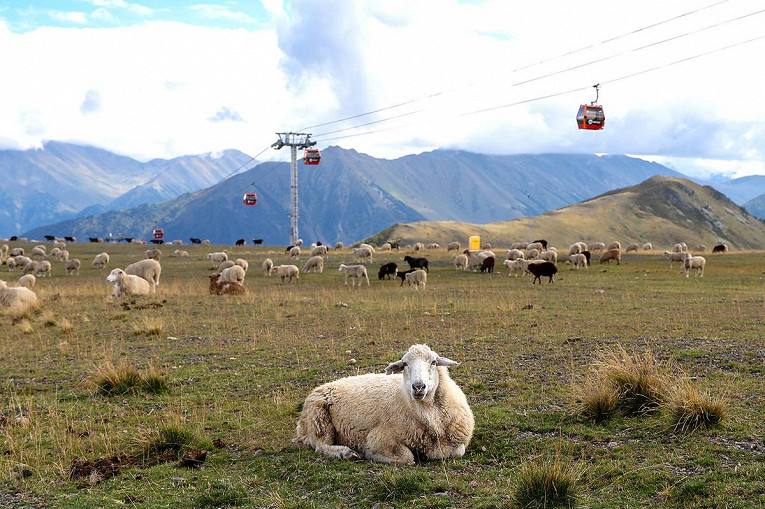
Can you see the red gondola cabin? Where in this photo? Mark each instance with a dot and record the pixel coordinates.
(250, 198)
(312, 156)
(590, 117)
(158, 234)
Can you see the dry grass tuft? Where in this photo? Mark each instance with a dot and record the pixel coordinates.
(692, 409)
(111, 380)
(148, 327)
(547, 484)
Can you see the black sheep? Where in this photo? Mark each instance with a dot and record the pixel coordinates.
(720, 248)
(542, 269)
(487, 265)
(402, 275)
(389, 269)
(257, 242)
(417, 263)
(587, 255)
(195, 240)
(240, 242)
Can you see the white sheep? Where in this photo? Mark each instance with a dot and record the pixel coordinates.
(267, 266)
(694, 262)
(37, 253)
(536, 245)
(370, 246)
(417, 279)
(614, 245)
(386, 247)
(152, 254)
(72, 266)
(101, 260)
(11, 263)
(224, 265)
(579, 260)
(62, 255)
(357, 272)
(295, 252)
(476, 257)
(40, 269)
(432, 245)
(17, 251)
(575, 248)
(319, 251)
(363, 254)
(461, 262)
(597, 246)
(19, 298)
(180, 253)
(550, 256)
(632, 248)
(673, 256)
(453, 246)
(531, 254)
(519, 245)
(419, 246)
(514, 266)
(148, 269)
(288, 271)
(127, 284)
(680, 247)
(235, 273)
(339, 245)
(242, 263)
(299, 242)
(314, 262)
(514, 254)
(217, 257)
(647, 246)
(415, 406)
(27, 281)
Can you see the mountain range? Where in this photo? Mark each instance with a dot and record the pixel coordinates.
(661, 210)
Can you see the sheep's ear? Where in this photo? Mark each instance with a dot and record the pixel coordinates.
(394, 367)
(443, 361)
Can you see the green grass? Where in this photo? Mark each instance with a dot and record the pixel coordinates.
(241, 366)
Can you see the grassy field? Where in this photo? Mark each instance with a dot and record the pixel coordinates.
(236, 370)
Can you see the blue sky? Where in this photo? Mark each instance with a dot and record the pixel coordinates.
(681, 80)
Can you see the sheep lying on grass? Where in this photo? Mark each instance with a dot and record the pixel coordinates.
(127, 284)
(357, 272)
(694, 262)
(414, 408)
(18, 299)
(218, 287)
(148, 269)
(288, 271)
(417, 278)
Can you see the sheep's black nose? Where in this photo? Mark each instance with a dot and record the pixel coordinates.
(418, 386)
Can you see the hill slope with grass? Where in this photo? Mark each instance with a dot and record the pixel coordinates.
(661, 210)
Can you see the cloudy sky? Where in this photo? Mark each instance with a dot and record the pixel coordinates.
(681, 80)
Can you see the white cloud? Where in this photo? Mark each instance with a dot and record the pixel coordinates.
(214, 12)
(79, 18)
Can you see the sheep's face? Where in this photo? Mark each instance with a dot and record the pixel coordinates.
(418, 366)
(114, 275)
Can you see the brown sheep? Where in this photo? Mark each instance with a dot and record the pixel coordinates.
(611, 254)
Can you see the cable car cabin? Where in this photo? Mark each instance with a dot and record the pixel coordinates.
(250, 198)
(312, 156)
(158, 234)
(590, 117)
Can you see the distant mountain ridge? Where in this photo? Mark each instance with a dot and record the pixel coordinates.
(352, 195)
(63, 180)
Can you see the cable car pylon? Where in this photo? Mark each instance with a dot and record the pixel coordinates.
(294, 141)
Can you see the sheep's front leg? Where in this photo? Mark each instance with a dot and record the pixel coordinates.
(381, 447)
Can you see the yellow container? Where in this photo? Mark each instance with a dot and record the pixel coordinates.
(474, 242)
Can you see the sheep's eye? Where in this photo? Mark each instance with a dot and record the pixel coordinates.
(433, 363)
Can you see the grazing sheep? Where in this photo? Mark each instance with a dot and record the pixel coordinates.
(339, 245)
(415, 406)
(578, 260)
(680, 247)
(224, 265)
(242, 263)
(694, 262)
(206, 242)
(127, 284)
(519, 245)
(218, 287)
(152, 254)
(363, 253)
(22, 261)
(531, 254)
(299, 242)
(597, 246)
(62, 255)
(177, 242)
(539, 270)
(72, 266)
(611, 254)
(514, 266)
(514, 254)
(487, 265)
(40, 269)
(632, 248)
(419, 246)
(288, 271)
(233, 273)
(240, 242)
(314, 262)
(295, 252)
(195, 240)
(432, 245)
(17, 251)
(320, 250)
(4, 251)
(217, 257)
(476, 257)
(549, 256)
(541, 242)
(386, 247)
(417, 278)
(673, 256)
(11, 263)
(18, 298)
(453, 246)
(614, 245)
(148, 269)
(27, 281)
(37, 253)
(486, 246)
(461, 262)
(417, 263)
(647, 246)
(357, 272)
(180, 253)
(101, 260)
(719, 248)
(267, 266)
(535, 245)
(575, 248)
(700, 248)
(402, 275)
(388, 269)
(587, 255)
